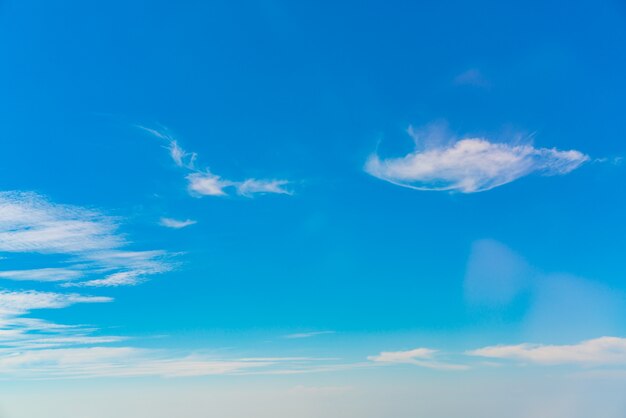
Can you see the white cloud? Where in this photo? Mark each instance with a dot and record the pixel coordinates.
(423, 357)
(206, 183)
(42, 275)
(599, 351)
(176, 223)
(471, 165)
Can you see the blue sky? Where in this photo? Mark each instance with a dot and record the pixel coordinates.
(361, 206)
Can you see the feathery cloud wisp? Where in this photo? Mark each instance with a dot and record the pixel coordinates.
(206, 183)
(471, 165)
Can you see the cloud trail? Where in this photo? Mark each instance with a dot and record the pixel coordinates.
(203, 182)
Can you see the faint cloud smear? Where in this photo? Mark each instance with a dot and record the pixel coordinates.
(556, 306)
(423, 357)
(567, 307)
(495, 274)
(471, 77)
(252, 186)
(469, 165)
(109, 361)
(598, 351)
(176, 223)
(206, 183)
(301, 335)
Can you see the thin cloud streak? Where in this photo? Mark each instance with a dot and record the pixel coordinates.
(22, 302)
(598, 351)
(301, 335)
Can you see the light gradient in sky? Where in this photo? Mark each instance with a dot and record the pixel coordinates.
(312, 209)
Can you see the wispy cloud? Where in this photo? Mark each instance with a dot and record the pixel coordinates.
(89, 240)
(29, 223)
(126, 361)
(307, 334)
(207, 184)
(176, 223)
(470, 165)
(423, 357)
(203, 182)
(599, 351)
(122, 278)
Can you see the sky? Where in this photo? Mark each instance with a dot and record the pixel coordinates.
(343, 209)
